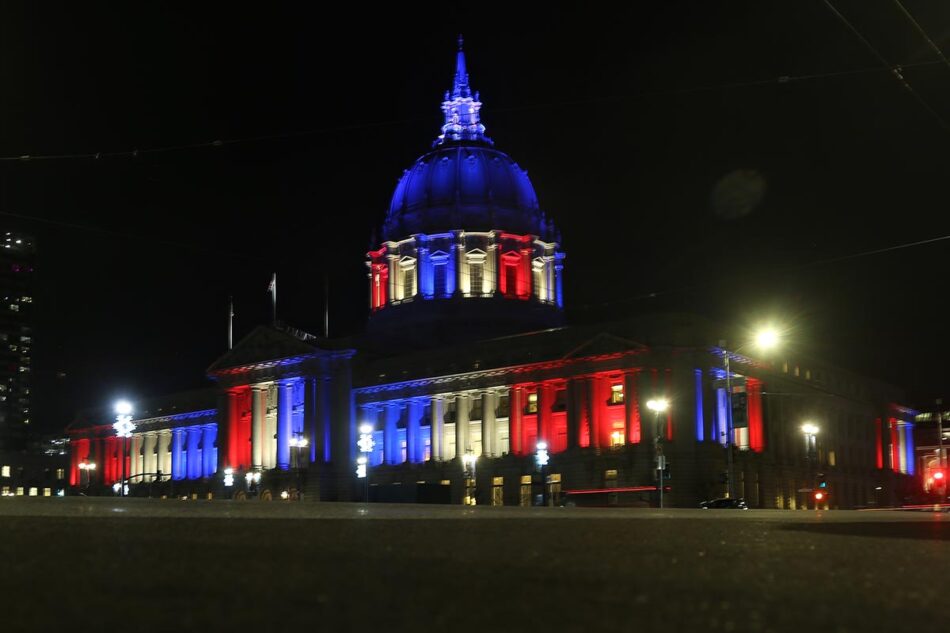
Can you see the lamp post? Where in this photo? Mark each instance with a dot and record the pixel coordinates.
(541, 458)
(365, 444)
(468, 461)
(86, 468)
(811, 446)
(123, 428)
(297, 443)
(658, 406)
(766, 338)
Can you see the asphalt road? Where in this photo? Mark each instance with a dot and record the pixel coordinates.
(149, 565)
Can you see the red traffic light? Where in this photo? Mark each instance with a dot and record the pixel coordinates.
(819, 496)
(938, 475)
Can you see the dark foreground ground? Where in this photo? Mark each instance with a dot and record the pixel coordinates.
(149, 565)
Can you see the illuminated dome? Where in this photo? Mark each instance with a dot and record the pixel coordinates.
(464, 241)
(462, 184)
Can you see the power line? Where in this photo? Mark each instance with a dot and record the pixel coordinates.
(923, 33)
(896, 71)
(784, 270)
(756, 83)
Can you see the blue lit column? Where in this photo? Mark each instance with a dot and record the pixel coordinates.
(285, 403)
(178, 455)
(415, 446)
(194, 452)
(209, 452)
(391, 435)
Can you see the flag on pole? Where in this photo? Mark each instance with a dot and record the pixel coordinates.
(272, 289)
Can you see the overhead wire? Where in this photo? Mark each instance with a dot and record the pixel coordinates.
(772, 81)
(923, 33)
(896, 71)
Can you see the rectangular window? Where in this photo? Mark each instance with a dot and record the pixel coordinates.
(60, 473)
(476, 275)
(498, 491)
(532, 403)
(47, 492)
(511, 280)
(5, 471)
(616, 394)
(33, 491)
(439, 279)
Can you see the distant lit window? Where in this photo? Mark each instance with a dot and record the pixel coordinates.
(807, 374)
(61, 473)
(532, 403)
(5, 471)
(26, 299)
(47, 492)
(785, 367)
(26, 339)
(14, 307)
(5, 491)
(34, 491)
(19, 491)
(616, 438)
(616, 394)
(797, 372)
(832, 459)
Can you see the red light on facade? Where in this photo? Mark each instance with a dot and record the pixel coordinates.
(819, 496)
(938, 475)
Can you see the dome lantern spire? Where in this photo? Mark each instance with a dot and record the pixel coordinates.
(461, 108)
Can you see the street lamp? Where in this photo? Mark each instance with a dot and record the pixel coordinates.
(811, 446)
(366, 444)
(86, 469)
(541, 458)
(297, 443)
(123, 428)
(658, 406)
(468, 461)
(766, 338)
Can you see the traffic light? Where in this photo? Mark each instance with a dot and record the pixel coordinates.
(822, 481)
(938, 476)
(819, 495)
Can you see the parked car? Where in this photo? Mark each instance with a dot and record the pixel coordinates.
(731, 504)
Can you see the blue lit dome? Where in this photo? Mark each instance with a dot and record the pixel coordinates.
(464, 184)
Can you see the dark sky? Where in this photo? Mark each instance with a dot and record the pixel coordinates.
(656, 134)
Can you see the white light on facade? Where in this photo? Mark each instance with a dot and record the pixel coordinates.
(542, 457)
(123, 407)
(809, 429)
(361, 467)
(659, 405)
(228, 477)
(284, 494)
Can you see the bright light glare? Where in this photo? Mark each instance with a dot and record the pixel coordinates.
(767, 338)
(366, 428)
(658, 405)
(809, 429)
(284, 494)
(123, 407)
(819, 496)
(938, 475)
(542, 445)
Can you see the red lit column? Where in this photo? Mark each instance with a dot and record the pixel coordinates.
(516, 406)
(754, 399)
(545, 401)
(878, 444)
(595, 412)
(895, 446)
(235, 454)
(573, 414)
(632, 405)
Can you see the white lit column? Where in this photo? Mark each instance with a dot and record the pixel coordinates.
(258, 402)
(164, 452)
(269, 458)
(149, 460)
(436, 429)
(461, 424)
(489, 425)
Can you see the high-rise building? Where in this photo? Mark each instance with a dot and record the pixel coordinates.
(17, 252)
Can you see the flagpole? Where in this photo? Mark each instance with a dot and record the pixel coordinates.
(326, 304)
(230, 322)
(273, 296)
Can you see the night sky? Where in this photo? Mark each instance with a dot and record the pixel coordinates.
(658, 136)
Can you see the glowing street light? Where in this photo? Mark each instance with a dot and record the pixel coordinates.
(86, 469)
(658, 406)
(468, 462)
(541, 458)
(809, 429)
(123, 428)
(228, 477)
(765, 338)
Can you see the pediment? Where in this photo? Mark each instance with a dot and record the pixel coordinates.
(605, 343)
(263, 344)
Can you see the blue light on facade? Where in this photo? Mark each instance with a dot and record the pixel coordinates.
(722, 423)
(909, 435)
(700, 424)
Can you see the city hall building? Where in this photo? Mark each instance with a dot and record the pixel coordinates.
(469, 387)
